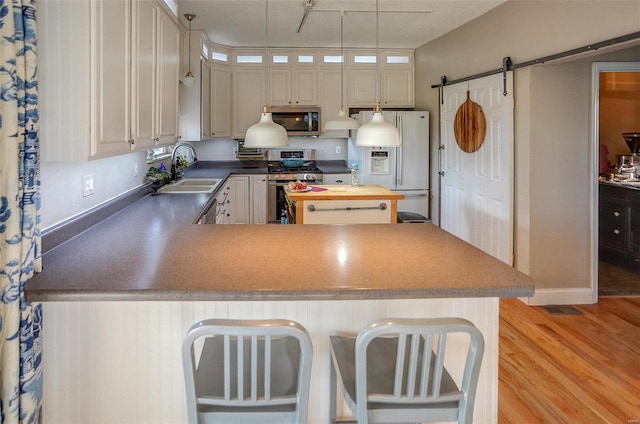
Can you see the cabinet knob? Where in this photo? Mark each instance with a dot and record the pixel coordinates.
(616, 213)
(616, 232)
(132, 144)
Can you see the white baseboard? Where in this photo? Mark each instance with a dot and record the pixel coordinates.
(576, 296)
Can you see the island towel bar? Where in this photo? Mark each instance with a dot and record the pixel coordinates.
(312, 208)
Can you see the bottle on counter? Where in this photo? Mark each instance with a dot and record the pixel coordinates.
(355, 175)
(283, 217)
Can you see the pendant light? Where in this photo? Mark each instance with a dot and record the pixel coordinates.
(378, 132)
(189, 80)
(266, 133)
(342, 122)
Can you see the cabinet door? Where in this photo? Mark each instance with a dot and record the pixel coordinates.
(305, 87)
(239, 194)
(143, 73)
(111, 73)
(205, 100)
(397, 88)
(220, 102)
(168, 67)
(259, 199)
(280, 87)
(362, 87)
(330, 93)
(248, 99)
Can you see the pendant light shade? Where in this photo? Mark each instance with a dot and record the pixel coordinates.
(266, 133)
(342, 122)
(378, 132)
(189, 80)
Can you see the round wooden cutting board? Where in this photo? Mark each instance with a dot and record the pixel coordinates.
(469, 126)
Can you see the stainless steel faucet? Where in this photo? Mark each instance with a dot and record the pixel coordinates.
(174, 155)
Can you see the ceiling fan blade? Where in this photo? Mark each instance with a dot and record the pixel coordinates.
(307, 8)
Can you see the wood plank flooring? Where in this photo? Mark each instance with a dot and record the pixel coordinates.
(570, 368)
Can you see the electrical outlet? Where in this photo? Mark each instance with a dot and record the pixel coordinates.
(87, 185)
(338, 149)
(135, 170)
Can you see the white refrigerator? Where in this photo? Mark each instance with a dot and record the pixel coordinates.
(404, 169)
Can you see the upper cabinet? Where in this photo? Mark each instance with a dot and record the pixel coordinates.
(391, 81)
(293, 79)
(109, 81)
(216, 100)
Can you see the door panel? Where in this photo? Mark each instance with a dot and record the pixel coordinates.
(477, 188)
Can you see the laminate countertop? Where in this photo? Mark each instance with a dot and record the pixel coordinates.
(152, 250)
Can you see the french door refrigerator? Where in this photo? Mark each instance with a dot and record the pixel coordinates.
(404, 169)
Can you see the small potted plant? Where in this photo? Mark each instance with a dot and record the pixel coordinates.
(158, 177)
(181, 164)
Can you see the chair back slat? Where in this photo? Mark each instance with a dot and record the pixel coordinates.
(413, 365)
(397, 381)
(240, 367)
(254, 368)
(425, 373)
(267, 367)
(439, 365)
(227, 367)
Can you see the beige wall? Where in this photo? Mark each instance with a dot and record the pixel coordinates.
(619, 110)
(552, 119)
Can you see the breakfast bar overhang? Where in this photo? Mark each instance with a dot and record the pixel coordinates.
(119, 298)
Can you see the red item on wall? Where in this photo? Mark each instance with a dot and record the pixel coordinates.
(604, 165)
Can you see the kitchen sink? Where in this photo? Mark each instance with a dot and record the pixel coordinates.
(191, 186)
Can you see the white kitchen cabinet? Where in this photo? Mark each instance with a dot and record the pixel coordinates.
(205, 100)
(223, 204)
(339, 179)
(396, 79)
(239, 206)
(220, 107)
(330, 97)
(215, 101)
(248, 98)
(293, 87)
(258, 199)
(362, 87)
(109, 80)
(397, 88)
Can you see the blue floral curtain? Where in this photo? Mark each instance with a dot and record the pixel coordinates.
(20, 321)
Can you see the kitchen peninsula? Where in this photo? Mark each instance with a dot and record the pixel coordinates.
(344, 204)
(119, 298)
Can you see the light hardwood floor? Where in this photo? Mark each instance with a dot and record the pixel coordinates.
(570, 368)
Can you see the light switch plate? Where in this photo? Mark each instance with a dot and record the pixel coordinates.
(338, 149)
(87, 185)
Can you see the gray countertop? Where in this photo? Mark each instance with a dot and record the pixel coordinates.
(151, 250)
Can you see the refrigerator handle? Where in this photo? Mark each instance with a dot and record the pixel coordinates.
(399, 154)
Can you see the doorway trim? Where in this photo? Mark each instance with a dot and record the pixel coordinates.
(597, 68)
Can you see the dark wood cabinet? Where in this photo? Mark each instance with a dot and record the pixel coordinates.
(619, 221)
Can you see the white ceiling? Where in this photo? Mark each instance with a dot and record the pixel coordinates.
(402, 23)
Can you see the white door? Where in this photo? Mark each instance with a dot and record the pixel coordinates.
(477, 188)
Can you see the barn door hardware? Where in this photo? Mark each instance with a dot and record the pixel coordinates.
(506, 66)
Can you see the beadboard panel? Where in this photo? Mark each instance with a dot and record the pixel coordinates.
(120, 362)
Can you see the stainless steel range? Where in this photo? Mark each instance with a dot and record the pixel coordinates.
(280, 175)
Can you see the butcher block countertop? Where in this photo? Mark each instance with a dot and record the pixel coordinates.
(345, 192)
(152, 251)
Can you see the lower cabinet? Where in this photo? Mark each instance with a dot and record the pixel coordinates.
(258, 200)
(339, 179)
(243, 200)
(619, 221)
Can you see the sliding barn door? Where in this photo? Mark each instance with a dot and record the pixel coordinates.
(477, 188)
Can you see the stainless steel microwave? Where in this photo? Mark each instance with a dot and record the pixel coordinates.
(297, 120)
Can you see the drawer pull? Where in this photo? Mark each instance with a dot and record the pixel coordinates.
(616, 232)
(616, 213)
